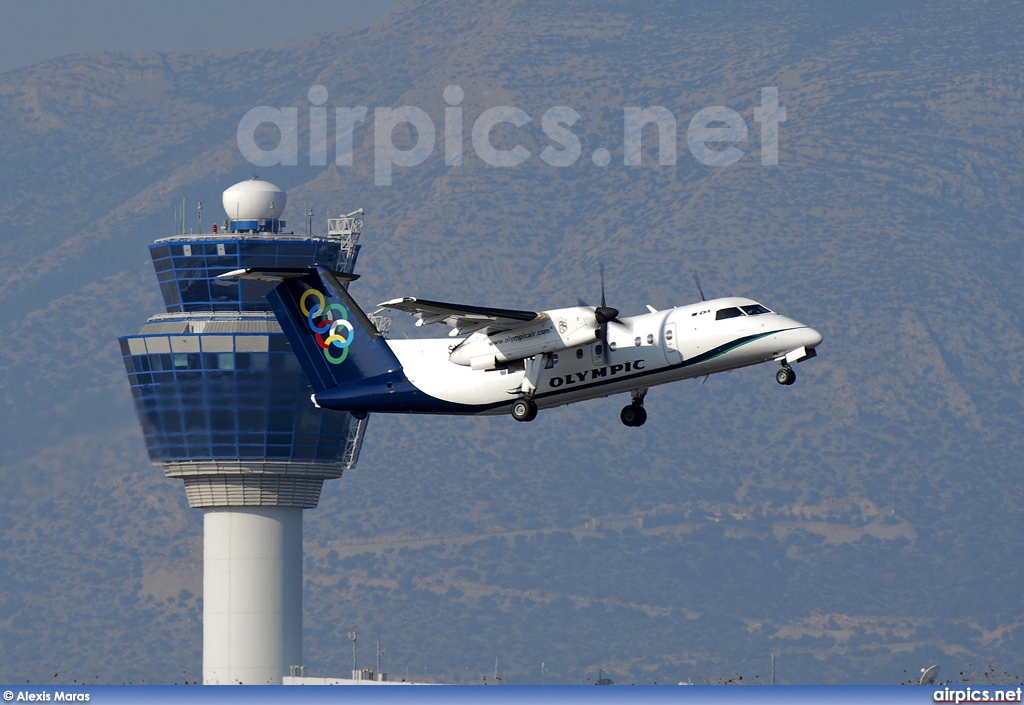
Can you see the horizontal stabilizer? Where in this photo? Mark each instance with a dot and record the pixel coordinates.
(279, 274)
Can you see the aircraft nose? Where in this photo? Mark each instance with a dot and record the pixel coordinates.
(812, 338)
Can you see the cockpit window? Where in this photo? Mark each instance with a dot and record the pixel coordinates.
(754, 309)
(724, 313)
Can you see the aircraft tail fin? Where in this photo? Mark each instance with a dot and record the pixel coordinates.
(333, 339)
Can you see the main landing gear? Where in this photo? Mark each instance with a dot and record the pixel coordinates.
(635, 415)
(524, 409)
(785, 375)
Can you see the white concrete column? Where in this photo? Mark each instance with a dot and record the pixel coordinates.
(252, 594)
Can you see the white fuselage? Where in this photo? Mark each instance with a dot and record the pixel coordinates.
(643, 351)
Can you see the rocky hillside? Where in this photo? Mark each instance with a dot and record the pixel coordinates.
(859, 524)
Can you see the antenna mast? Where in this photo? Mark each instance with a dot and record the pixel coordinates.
(353, 636)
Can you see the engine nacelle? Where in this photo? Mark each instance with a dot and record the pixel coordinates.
(556, 330)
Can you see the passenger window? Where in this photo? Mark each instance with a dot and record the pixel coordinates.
(754, 310)
(579, 354)
(637, 341)
(650, 338)
(668, 334)
(727, 313)
(598, 350)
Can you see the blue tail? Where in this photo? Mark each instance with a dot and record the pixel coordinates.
(337, 346)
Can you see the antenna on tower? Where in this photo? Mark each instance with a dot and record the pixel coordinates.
(353, 636)
(376, 674)
(199, 224)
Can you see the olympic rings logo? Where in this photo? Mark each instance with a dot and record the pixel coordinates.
(330, 323)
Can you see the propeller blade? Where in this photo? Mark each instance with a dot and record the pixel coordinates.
(696, 279)
(603, 304)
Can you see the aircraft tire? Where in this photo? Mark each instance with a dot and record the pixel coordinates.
(785, 376)
(524, 410)
(633, 415)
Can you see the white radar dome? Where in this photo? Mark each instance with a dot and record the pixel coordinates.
(254, 200)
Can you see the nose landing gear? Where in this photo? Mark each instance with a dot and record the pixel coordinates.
(785, 375)
(633, 415)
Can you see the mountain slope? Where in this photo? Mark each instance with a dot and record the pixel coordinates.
(856, 525)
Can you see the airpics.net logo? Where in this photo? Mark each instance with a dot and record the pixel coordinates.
(711, 135)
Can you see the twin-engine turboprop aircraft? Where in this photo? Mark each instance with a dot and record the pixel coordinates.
(498, 361)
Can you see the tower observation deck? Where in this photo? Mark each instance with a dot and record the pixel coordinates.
(225, 407)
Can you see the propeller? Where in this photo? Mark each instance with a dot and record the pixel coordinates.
(603, 314)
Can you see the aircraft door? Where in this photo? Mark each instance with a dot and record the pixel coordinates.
(671, 338)
(597, 351)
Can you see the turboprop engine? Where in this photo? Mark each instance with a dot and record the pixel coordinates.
(554, 330)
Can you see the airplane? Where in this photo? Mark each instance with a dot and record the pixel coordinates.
(496, 361)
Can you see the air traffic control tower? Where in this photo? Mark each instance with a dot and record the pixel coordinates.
(225, 407)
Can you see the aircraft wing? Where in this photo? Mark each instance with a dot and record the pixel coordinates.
(462, 318)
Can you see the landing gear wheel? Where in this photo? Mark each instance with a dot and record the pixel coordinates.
(524, 410)
(633, 415)
(785, 376)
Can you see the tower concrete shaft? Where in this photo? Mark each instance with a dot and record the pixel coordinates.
(252, 587)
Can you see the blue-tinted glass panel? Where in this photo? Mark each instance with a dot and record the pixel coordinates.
(191, 273)
(194, 291)
(257, 248)
(226, 262)
(181, 263)
(296, 250)
(294, 262)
